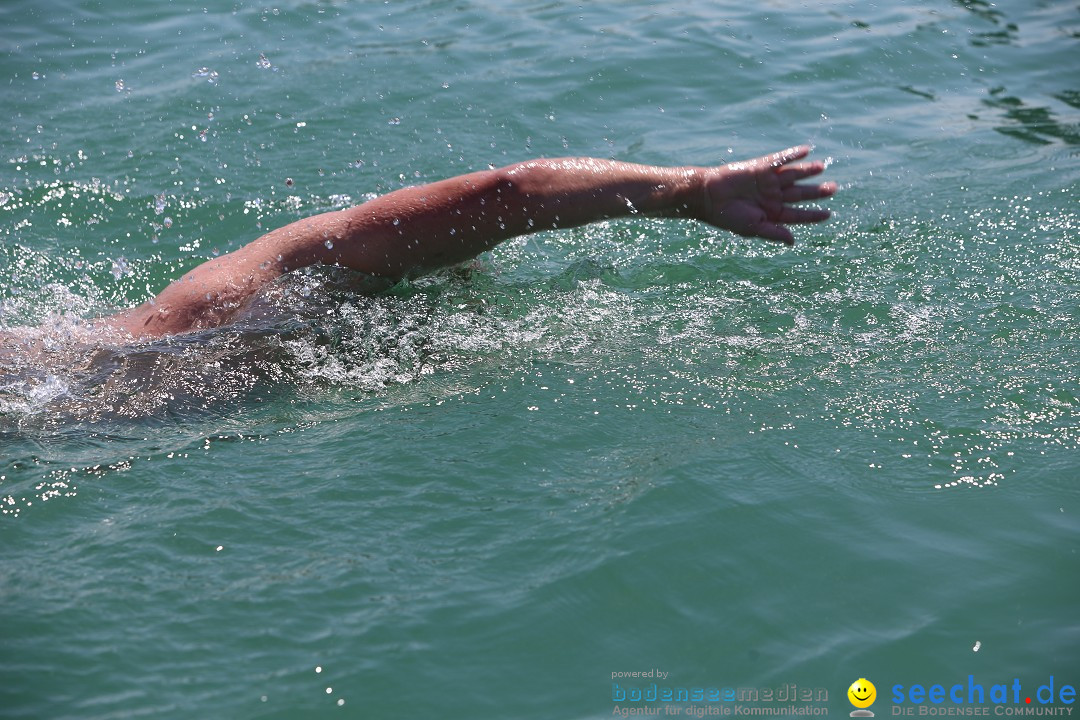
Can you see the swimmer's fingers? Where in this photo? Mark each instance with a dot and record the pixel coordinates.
(799, 193)
(774, 232)
(801, 216)
(790, 174)
(783, 157)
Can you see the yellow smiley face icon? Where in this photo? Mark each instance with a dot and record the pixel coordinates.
(862, 693)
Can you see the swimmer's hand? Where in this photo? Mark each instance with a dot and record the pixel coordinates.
(755, 198)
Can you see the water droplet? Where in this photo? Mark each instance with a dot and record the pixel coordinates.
(119, 268)
(394, 121)
(167, 222)
(288, 182)
(396, 221)
(262, 62)
(159, 204)
(329, 244)
(205, 72)
(120, 87)
(36, 75)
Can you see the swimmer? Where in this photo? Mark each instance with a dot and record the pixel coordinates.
(416, 230)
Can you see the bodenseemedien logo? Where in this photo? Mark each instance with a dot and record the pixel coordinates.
(862, 694)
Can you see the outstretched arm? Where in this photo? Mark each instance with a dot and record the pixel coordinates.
(416, 230)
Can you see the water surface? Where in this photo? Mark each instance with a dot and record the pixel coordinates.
(641, 444)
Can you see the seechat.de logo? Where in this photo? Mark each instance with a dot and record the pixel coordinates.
(862, 695)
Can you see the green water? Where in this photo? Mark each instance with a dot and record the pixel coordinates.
(638, 445)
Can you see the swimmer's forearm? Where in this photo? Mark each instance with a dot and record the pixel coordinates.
(416, 230)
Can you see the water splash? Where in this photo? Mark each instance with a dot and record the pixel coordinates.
(913, 331)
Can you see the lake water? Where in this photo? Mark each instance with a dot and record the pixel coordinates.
(641, 445)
